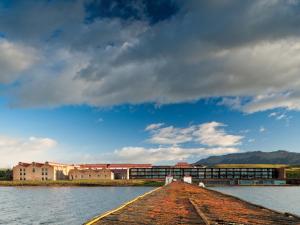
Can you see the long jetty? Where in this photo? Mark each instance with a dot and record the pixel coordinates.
(181, 203)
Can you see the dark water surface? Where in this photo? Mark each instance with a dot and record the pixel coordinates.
(60, 205)
(284, 199)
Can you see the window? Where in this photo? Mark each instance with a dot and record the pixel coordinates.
(21, 169)
(33, 170)
(24, 178)
(42, 178)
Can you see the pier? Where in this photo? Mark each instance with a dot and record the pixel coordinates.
(181, 203)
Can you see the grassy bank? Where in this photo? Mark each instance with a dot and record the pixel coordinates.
(149, 183)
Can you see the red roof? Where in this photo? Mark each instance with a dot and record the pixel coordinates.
(183, 165)
(33, 163)
(59, 164)
(23, 164)
(120, 165)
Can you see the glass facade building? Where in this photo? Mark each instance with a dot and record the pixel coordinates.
(203, 173)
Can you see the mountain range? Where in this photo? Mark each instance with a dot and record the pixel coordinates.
(254, 157)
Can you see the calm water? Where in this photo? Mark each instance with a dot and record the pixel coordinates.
(60, 205)
(284, 199)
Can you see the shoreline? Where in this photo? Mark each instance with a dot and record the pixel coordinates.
(110, 183)
(83, 183)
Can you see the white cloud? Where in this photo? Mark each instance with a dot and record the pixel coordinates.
(209, 134)
(14, 59)
(171, 135)
(286, 100)
(279, 116)
(166, 154)
(153, 126)
(262, 129)
(273, 114)
(13, 150)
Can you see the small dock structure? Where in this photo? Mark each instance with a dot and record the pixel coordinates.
(183, 203)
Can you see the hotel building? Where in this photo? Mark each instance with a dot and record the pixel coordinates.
(212, 175)
(90, 174)
(104, 171)
(208, 175)
(57, 171)
(41, 171)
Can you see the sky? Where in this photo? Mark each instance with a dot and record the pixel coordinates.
(141, 81)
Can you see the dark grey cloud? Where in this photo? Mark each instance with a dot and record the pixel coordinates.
(152, 11)
(104, 53)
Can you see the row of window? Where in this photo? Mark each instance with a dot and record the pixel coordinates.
(199, 173)
(24, 178)
(81, 176)
(207, 174)
(203, 173)
(203, 169)
(89, 176)
(202, 177)
(44, 171)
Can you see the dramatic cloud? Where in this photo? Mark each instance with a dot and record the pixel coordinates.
(130, 53)
(13, 150)
(14, 60)
(172, 136)
(209, 134)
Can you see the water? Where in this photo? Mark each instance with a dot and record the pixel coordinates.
(60, 205)
(284, 199)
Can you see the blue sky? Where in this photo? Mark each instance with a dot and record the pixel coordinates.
(147, 81)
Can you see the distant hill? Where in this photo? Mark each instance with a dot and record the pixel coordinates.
(256, 157)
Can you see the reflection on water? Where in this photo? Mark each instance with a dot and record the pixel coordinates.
(60, 205)
(284, 199)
